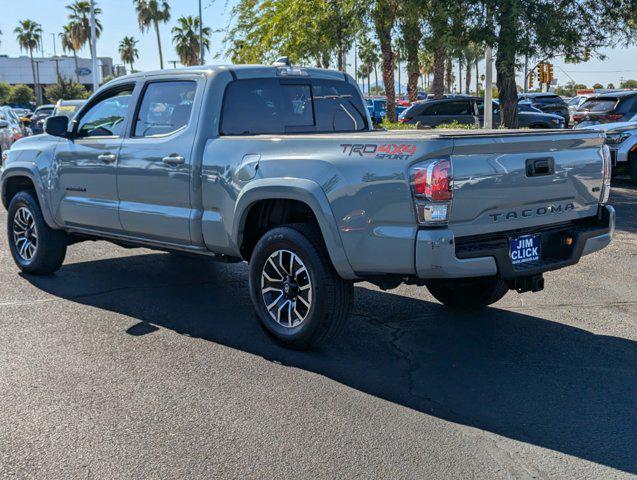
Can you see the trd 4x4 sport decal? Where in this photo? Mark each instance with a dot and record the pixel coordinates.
(396, 151)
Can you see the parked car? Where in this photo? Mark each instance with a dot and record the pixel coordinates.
(607, 108)
(40, 114)
(621, 138)
(470, 111)
(280, 167)
(377, 108)
(68, 108)
(14, 122)
(574, 103)
(6, 135)
(548, 103)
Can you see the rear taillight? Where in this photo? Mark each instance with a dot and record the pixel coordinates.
(402, 119)
(614, 116)
(431, 185)
(607, 173)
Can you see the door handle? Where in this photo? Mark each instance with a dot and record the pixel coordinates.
(537, 167)
(107, 157)
(174, 160)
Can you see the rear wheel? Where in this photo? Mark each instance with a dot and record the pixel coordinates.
(468, 294)
(300, 299)
(36, 248)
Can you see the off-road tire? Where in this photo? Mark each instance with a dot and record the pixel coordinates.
(331, 295)
(468, 294)
(51, 244)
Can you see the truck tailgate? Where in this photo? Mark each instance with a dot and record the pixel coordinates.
(521, 180)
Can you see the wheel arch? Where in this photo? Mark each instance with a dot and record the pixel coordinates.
(307, 195)
(17, 179)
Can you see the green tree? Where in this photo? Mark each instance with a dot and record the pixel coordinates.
(71, 42)
(599, 85)
(628, 84)
(153, 12)
(29, 36)
(186, 40)
(306, 31)
(472, 53)
(383, 13)
(610, 86)
(362, 74)
(5, 91)
(21, 94)
(410, 19)
(65, 89)
(541, 29)
(80, 22)
(368, 52)
(128, 51)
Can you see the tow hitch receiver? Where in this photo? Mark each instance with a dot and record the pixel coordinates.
(534, 283)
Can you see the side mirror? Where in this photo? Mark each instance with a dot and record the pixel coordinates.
(57, 126)
(4, 124)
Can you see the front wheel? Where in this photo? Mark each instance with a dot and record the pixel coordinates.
(468, 294)
(299, 298)
(36, 248)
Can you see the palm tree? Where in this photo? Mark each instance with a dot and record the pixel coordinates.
(70, 43)
(128, 51)
(151, 12)
(368, 52)
(29, 36)
(186, 40)
(80, 22)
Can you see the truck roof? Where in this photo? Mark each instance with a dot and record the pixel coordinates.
(241, 71)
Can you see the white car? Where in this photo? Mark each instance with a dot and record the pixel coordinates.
(621, 138)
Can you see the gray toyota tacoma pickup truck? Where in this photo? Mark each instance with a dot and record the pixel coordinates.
(280, 167)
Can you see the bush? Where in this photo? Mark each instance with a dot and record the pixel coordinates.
(21, 94)
(5, 93)
(65, 89)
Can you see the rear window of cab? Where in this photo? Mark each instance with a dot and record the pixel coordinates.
(282, 106)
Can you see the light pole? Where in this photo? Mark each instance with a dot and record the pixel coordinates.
(488, 89)
(55, 52)
(201, 34)
(96, 78)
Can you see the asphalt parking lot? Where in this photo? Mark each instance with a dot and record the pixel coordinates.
(138, 364)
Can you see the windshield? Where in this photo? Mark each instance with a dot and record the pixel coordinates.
(605, 104)
(44, 111)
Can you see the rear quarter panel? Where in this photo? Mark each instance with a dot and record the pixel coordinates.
(368, 192)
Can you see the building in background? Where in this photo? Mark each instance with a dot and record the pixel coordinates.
(16, 71)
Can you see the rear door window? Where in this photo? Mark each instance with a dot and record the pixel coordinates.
(605, 104)
(165, 108)
(280, 106)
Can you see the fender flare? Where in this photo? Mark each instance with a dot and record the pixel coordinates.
(303, 190)
(29, 171)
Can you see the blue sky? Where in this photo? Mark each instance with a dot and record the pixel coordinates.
(119, 20)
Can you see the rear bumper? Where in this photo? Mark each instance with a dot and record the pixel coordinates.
(440, 255)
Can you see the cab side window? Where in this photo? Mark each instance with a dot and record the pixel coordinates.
(107, 117)
(165, 108)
